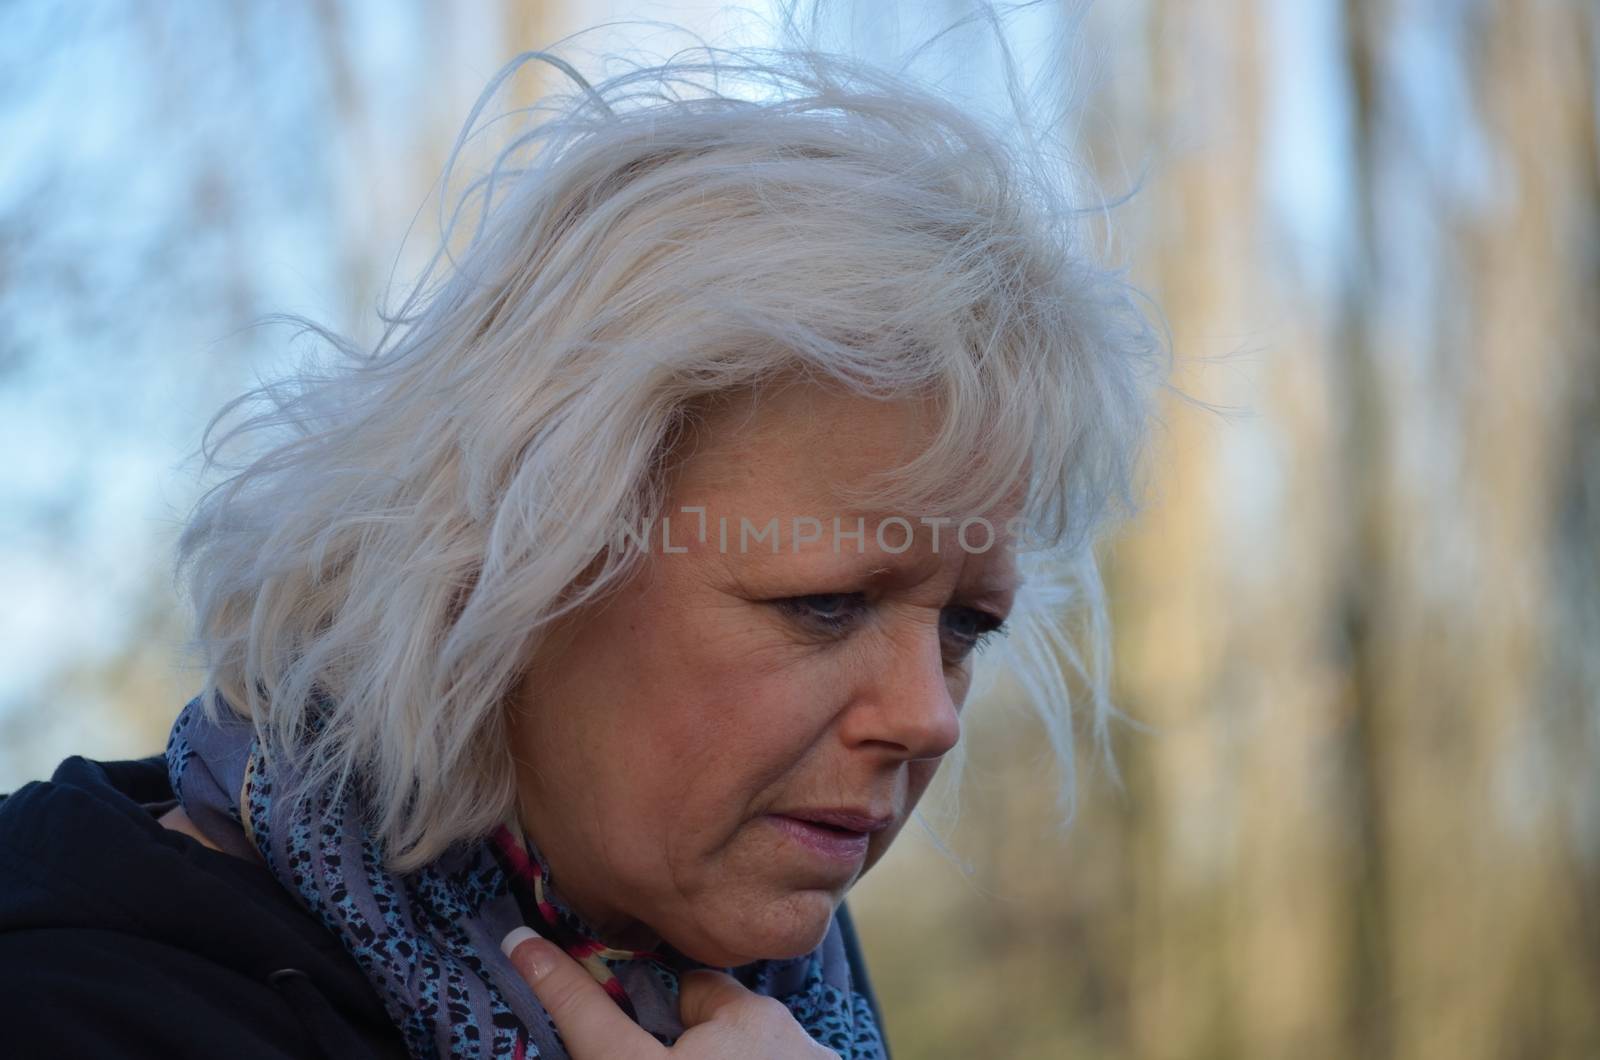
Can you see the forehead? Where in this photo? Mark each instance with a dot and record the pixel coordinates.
(802, 444)
(799, 456)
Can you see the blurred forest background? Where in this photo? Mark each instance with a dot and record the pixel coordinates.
(1360, 614)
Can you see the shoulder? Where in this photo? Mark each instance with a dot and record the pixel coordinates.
(123, 937)
(83, 992)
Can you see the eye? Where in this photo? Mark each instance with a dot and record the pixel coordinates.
(832, 613)
(966, 629)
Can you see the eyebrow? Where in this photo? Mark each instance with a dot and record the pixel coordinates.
(1007, 580)
(986, 577)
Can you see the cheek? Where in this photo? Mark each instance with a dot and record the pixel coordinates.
(918, 776)
(710, 763)
(728, 685)
(697, 716)
(733, 732)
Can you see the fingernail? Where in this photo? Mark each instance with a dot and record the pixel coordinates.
(516, 937)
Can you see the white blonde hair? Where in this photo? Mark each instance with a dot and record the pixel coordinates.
(406, 521)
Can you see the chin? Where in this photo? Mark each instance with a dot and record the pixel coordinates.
(791, 927)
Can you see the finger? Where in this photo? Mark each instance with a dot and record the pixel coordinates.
(703, 993)
(592, 1025)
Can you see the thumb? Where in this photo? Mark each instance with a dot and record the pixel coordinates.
(592, 1025)
(703, 993)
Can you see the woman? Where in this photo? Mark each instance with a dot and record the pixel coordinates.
(574, 651)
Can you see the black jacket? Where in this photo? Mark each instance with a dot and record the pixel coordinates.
(122, 938)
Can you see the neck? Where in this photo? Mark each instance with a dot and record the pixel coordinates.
(564, 887)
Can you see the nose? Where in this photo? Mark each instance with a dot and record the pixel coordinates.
(906, 708)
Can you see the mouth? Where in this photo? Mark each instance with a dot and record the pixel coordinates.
(840, 837)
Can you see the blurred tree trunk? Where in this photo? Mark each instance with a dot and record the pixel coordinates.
(1458, 411)
(1362, 562)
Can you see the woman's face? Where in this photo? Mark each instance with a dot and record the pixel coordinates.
(667, 737)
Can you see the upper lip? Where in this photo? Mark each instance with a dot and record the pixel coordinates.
(854, 819)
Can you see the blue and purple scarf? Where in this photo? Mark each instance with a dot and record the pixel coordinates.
(429, 941)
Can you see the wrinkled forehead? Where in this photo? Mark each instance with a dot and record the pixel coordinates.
(810, 450)
(799, 480)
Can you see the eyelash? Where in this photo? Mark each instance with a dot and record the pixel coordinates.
(813, 612)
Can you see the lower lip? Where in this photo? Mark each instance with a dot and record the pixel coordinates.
(842, 847)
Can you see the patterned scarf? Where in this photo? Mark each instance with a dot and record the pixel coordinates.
(429, 941)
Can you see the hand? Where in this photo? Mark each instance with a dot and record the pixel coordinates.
(722, 1020)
